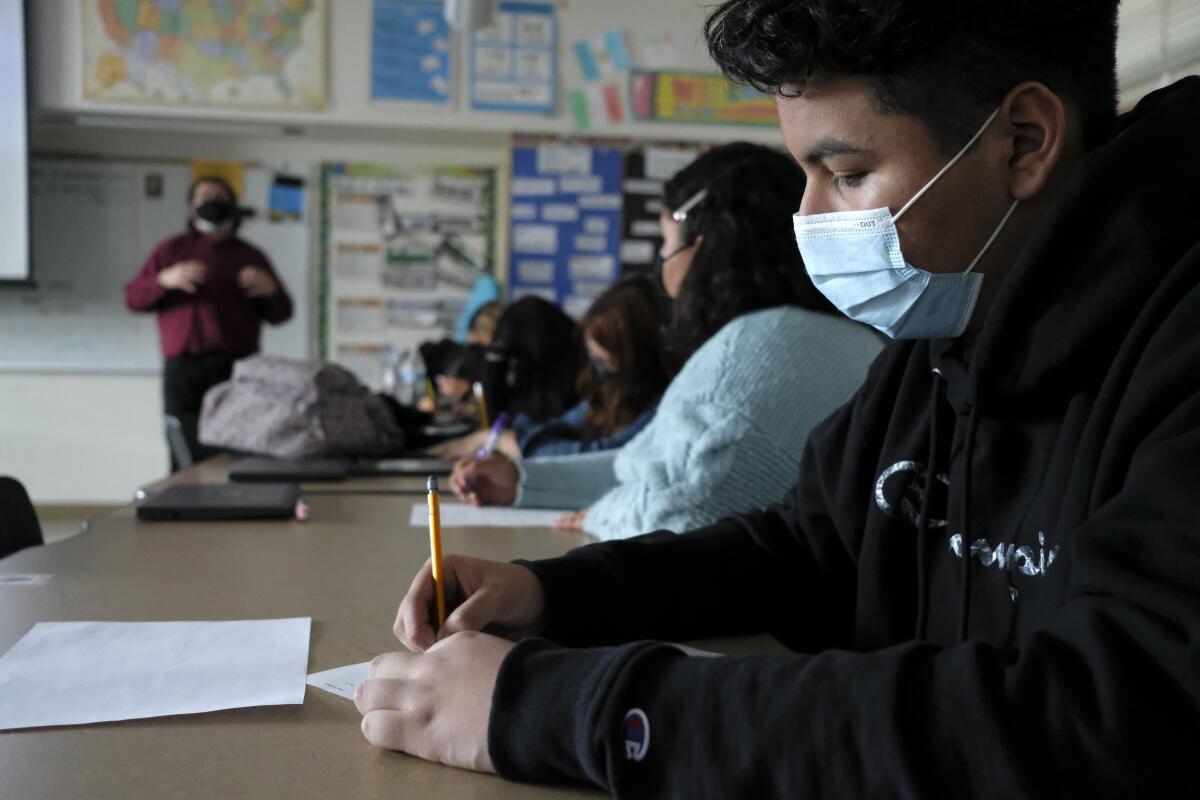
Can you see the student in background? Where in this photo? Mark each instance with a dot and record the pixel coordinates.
(211, 291)
(767, 358)
(621, 385)
(461, 370)
(482, 327)
(989, 568)
(530, 368)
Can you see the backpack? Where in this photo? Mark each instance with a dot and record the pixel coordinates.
(289, 408)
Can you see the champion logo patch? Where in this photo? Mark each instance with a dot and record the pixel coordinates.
(636, 730)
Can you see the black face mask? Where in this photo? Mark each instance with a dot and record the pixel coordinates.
(218, 212)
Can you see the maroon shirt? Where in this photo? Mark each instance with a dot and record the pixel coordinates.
(218, 318)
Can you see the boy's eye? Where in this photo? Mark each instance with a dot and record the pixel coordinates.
(848, 181)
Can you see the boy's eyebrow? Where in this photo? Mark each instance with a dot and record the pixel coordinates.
(830, 147)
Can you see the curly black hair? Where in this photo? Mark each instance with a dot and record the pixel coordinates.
(748, 259)
(947, 62)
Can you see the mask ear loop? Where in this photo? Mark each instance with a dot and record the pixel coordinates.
(995, 233)
(946, 168)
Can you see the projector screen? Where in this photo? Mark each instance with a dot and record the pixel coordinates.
(14, 145)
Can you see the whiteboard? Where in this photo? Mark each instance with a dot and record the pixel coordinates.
(94, 224)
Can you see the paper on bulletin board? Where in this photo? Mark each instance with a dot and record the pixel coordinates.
(645, 171)
(514, 60)
(411, 52)
(699, 98)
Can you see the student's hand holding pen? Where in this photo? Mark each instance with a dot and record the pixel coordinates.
(491, 481)
(506, 599)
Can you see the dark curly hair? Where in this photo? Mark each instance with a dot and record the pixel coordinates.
(748, 259)
(946, 62)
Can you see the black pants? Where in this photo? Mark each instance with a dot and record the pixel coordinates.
(185, 380)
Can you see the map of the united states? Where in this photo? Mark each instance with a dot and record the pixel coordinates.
(244, 52)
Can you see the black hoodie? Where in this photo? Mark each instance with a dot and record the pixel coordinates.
(995, 562)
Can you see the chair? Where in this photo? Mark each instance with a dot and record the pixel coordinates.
(19, 527)
(181, 453)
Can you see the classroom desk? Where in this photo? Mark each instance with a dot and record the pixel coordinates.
(216, 470)
(347, 568)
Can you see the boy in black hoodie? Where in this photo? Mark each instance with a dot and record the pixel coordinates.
(989, 569)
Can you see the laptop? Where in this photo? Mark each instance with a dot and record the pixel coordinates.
(285, 470)
(212, 501)
(415, 465)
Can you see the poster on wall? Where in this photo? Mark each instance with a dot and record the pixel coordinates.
(411, 52)
(646, 169)
(200, 52)
(402, 248)
(696, 97)
(564, 241)
(514, 61)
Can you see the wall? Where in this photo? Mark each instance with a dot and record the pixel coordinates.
(57, 73)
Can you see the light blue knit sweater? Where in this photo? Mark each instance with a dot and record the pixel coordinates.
(729, 430)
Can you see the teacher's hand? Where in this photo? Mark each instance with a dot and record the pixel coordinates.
(257, 282)
(184, 276)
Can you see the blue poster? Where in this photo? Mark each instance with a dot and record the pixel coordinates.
(565, 235)
(411, 45)
(514, 61)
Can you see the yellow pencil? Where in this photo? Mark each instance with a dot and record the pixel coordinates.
(430, 393)
(482, 401)
(435, 549)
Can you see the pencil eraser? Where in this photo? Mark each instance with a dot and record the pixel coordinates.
(301, 511)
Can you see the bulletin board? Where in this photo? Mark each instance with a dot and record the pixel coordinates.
(565, 237)
(402, 247)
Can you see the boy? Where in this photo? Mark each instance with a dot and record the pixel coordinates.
(990, 566)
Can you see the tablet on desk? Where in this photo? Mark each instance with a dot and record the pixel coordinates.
(213, 501)
(275, 470)
(417, 465)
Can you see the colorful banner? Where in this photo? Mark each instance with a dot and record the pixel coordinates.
(696, 97)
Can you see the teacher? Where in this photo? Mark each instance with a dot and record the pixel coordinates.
(211, 291)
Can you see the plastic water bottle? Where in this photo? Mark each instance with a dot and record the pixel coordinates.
(412, 378)
(389, 382)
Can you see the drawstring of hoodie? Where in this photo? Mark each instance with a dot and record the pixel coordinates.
(964, 607)
(923, 519)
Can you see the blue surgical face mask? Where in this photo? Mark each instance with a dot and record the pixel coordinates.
(854, 258)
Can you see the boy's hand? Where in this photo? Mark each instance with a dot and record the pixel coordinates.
(504, 598)
(435, 705)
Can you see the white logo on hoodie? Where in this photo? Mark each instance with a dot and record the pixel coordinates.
(1008, 556)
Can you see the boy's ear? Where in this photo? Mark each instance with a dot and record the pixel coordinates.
(1035, 121)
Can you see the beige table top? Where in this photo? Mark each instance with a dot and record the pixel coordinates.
(347, 568)
(216, 470)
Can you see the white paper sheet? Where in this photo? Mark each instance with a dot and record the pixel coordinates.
(459, 515)
(341, 681)
(74, 673)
